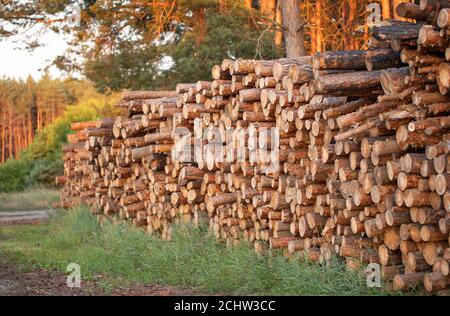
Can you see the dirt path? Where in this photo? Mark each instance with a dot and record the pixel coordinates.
(53, 283)
(24, 217)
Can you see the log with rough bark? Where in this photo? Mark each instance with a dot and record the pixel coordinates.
(401, 31)
(411, 11)
(356, 83)
(132, 95)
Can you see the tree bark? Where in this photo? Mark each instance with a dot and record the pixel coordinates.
(33, 118)
(279, 21)
(410, 11)
(292, 28)
(3, 133)
(404, 31)
(345, 60)
(385, 8)
(362, 81)
(10, 147)
(267, 8)
(351, 20)
(318, 18)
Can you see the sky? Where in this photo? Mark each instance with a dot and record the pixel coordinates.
(17, 62)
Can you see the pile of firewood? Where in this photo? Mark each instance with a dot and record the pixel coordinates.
(80, 157)
(338, 153)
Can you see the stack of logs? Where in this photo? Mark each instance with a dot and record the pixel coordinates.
(338, 153)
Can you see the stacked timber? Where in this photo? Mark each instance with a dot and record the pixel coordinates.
(341, 153)
(81, 162)
(397, 149)
(135, 165)
(128, 161)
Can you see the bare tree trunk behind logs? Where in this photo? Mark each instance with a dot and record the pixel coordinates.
(353, 43)
(4, 134)
(271, 10)
(279, 21)
(267, 8)
(385, 8)
(292, 28)
(318, 22)
(10, 147)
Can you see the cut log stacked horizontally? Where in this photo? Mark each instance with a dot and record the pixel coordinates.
(358, 166)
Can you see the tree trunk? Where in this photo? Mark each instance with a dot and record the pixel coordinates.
(38, 118)
(279, 21)
(351, 20)
(10, 147)
(267, 8)
(199, 20)
(53, 112)
(385, 8)
(30, 129)
(318, 18)
(3, 134)
(292, 28)
(23, 134)
(17, 133)
(33, 119)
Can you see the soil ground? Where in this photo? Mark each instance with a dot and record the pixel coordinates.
(24, 217)
(53, 283)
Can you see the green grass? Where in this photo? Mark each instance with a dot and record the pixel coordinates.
(31, 199)
(123, 254)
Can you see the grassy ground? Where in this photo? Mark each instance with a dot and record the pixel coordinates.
(123, 254)
(31, 199)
